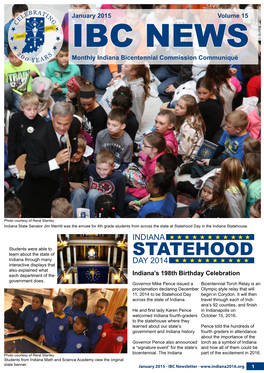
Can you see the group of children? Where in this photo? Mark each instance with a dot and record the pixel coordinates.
(69, 329)
(99, 181)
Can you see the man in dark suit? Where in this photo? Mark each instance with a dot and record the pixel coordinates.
(47, 162)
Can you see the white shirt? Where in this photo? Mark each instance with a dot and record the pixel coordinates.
(52, 163)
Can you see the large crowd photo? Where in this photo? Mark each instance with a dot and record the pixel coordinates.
(128, 140)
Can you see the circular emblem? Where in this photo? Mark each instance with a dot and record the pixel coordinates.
(93, 274)
(106, 187)
(36, 319)
(61, 327)
(206, 153)
(99, 327)
(30, 129)
(119, 338)
(78, 345)
(104, 334)
(35, 36)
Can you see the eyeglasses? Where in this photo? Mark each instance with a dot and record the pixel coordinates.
(16, 301)
(146, 146)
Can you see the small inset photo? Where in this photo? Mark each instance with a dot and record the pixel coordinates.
(65, 320)
(92, 259)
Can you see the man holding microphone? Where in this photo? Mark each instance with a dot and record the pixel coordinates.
(48, 155)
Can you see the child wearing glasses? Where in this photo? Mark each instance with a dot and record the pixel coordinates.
(13, 313)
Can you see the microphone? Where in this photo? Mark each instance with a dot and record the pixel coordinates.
(63, 141)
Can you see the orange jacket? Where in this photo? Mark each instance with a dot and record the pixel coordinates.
(140, 38)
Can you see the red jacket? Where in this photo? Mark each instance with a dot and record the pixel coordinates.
(171, 141)
(111, 339)
(140, 41)
(254, 124)
(253, 86)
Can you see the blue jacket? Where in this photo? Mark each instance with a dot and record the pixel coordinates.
(164, 205)
(32, 317)
(54, 329)
(74, 343)
(96, 325)
(74, 312)
(6, 29)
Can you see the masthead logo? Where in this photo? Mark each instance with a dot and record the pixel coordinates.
(35, 36)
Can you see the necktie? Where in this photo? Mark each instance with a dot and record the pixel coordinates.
(63, 145)
(60, 316)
